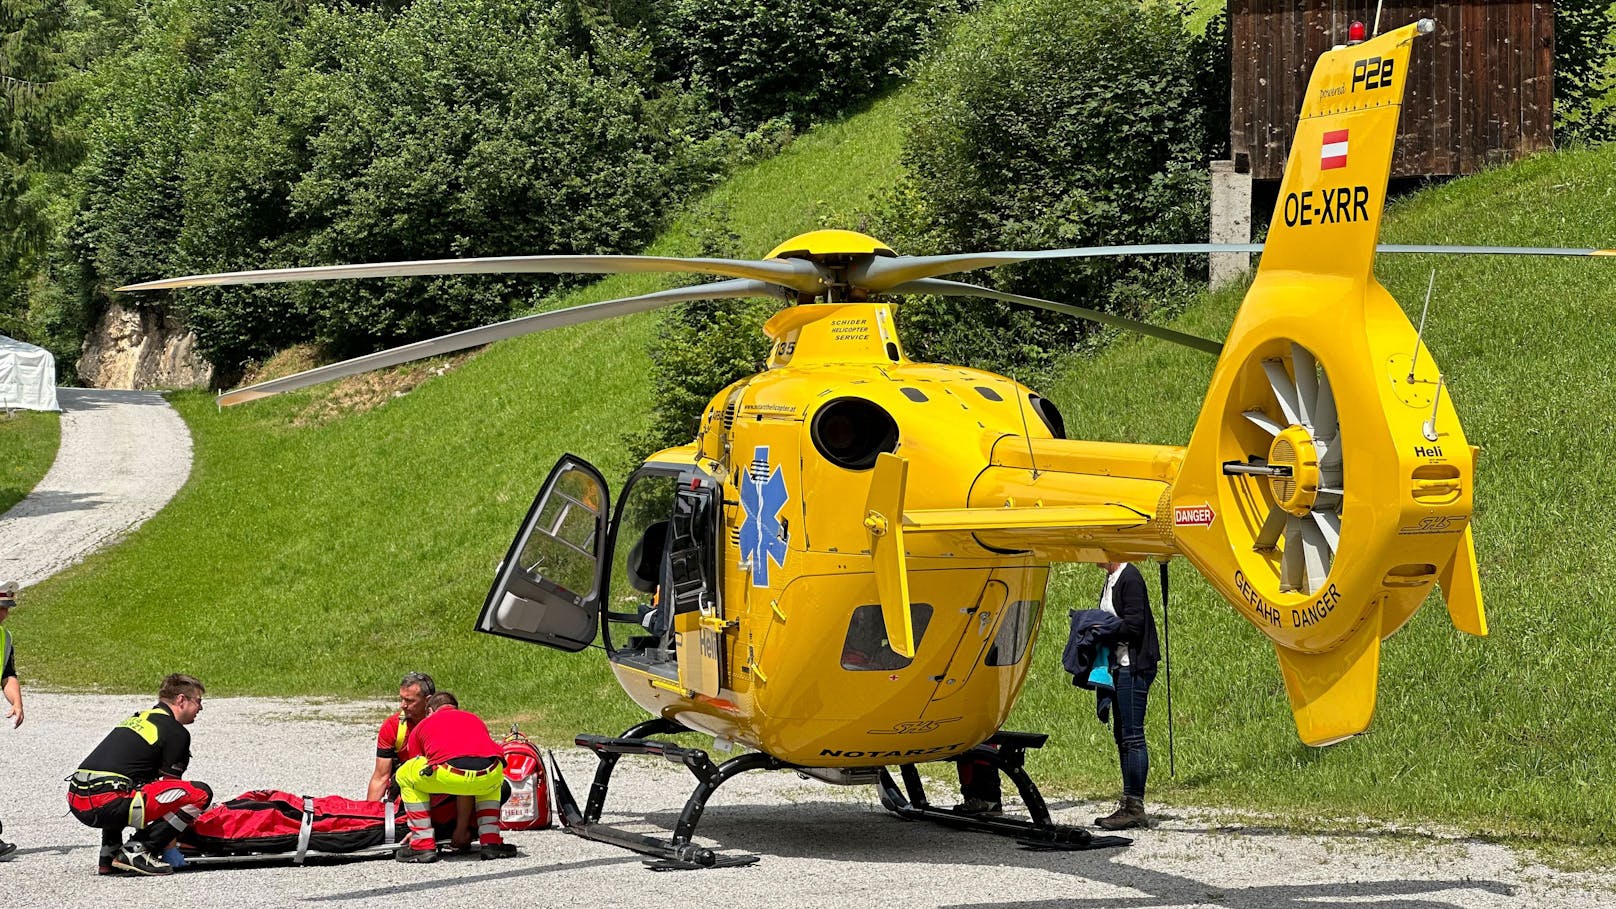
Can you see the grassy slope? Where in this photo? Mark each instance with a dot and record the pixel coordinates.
(1505, 735)
(28, 440)
(331, 559)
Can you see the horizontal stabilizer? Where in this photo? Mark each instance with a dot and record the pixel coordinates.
(1333, 693)
(1062, 517)
(1461, 587)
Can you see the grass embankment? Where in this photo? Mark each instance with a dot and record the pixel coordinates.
(310, 557)
(28, 440)
(1506, 735)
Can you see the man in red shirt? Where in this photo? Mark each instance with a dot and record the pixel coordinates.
(392, 740)
(455, 755)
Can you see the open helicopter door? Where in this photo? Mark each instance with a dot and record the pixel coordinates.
(692, 580)
(548, 589)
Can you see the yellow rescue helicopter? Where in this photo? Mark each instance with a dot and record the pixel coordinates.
(845, 570)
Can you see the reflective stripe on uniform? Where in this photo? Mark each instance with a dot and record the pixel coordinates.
(140, 724)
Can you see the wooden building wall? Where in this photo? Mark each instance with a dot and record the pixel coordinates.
(1481, 89)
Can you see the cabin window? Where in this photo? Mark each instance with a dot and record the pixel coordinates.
(642, 525)
(1015, 633)
(866, 648)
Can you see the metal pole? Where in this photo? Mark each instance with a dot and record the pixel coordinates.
(1167, 657)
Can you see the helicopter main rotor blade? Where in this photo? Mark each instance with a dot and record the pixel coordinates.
(961, 289)
(487, 334)
(1492, 250)
(885, 274)
(888, 274)
(797, 274)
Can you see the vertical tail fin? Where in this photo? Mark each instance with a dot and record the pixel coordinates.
(1332, 460)
(1327, 218)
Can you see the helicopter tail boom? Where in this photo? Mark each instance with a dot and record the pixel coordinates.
(1328, 484)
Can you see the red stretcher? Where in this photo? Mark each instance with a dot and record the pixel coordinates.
(270, 823)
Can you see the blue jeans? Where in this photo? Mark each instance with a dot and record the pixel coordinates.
(1128, 726)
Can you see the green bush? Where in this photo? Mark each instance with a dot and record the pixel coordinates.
(1048, 123)
(1585, 70)
(759, 59)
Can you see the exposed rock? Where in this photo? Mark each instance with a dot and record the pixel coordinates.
(142, 349)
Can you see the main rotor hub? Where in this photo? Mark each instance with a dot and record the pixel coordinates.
(819, 245)
(1294, 448)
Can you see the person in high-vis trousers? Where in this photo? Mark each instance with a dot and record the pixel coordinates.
(457, 756)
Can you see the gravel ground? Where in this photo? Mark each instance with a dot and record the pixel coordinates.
(820, 845)
(123, 455)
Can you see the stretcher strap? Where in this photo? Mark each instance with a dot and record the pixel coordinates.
(392, 822)
(306, 830)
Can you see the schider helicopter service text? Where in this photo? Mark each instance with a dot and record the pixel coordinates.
(1304, 617)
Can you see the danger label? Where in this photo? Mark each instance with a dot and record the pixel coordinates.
(1193, 516)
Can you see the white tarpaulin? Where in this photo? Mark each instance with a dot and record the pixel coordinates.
(27, 376)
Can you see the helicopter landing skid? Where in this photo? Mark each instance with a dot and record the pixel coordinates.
(1006, 751)
(677, 853)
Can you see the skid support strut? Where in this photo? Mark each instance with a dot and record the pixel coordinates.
(678, 852)
(1006, 752)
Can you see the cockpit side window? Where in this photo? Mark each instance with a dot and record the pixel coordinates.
(641, 540)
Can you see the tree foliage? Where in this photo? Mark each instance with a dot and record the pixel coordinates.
(34, 49)
(270, 133)
(1049, 123)
(760, 59)
(1585, 70)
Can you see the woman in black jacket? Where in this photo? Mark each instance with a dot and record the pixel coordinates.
(1138, 655)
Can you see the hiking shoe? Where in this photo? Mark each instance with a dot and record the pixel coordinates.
(134, 857)
(459, 848)
(492, 851)
(7, 848)
(980, 808)
(415, 856)
(1130, 814)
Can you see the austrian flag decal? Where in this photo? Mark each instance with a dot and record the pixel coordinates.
(1334, 152)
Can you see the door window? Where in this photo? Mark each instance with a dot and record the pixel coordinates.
(548, 588)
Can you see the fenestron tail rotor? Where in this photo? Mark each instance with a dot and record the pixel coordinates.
(1303, 477)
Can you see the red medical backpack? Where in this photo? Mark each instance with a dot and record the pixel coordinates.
(529, 805)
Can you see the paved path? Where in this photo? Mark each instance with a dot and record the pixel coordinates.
(820, 845)
(123, 455)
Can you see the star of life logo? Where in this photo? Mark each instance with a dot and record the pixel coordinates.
(763, 495)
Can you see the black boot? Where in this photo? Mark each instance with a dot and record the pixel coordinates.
(1130, 814)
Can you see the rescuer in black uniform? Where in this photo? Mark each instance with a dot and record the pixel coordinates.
(132, 779)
